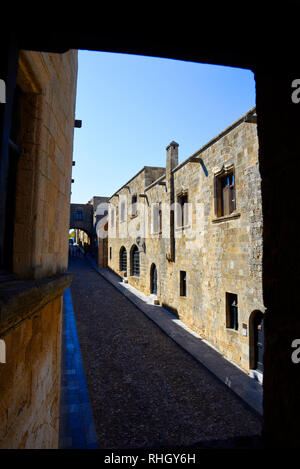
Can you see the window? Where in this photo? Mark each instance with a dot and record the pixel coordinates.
(135, 262)
(122, 211)
(78, 215)
(110, 252)
(157, 218)
(123, 259)
(224, 193)
(134, 206)
(232, 311)
(112, 217)
(182, 283)
(182, 209)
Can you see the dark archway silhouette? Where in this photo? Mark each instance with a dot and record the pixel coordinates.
(123, 260)
(256, 340)
(153, 279)
(278, 121)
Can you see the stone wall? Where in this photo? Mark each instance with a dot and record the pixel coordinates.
(30, 382)
(30, 378)
(218, 254)
(48, 89)
(278, 130)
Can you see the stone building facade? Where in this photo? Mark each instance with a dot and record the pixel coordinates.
(32, 283)
(191, 235)
(278, 121)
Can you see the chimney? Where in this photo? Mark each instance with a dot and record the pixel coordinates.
(172, 156)
(171, 163)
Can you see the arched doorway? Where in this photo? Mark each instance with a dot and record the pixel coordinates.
(135, 261)
(256, 340)
(153, 279)
(123, 260)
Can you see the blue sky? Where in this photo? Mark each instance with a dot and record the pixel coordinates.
(132, 107)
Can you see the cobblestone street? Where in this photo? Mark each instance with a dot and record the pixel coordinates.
(145, 391)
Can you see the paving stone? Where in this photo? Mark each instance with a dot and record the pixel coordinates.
(145, 390)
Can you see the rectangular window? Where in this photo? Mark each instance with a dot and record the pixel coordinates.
(78, 215)
(182, 283)
(112, 217)
(182, 210)
(224, 194)
(134, 206)
(232, 311)
(122, 211)
(157, 218)
(110, 252)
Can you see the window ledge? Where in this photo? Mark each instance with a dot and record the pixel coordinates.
(20, 299)
(232, 216)
(182, 228)
(229, 329)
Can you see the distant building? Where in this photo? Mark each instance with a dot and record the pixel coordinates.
(87, 220)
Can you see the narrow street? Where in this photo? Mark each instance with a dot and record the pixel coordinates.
(145, 391)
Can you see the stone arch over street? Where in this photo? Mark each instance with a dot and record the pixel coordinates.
(81, 218)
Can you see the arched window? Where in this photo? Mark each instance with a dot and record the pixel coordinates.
(135, 261)
(123, 260)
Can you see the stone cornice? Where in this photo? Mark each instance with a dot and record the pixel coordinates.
(20, 299)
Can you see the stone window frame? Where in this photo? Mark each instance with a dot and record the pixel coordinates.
(226, 170)
(231, 316)
(112, 217)
(134, 202)
(122, 211)
(184, 219)
(159, 218)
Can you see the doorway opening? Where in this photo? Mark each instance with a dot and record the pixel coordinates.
(256, 344)
(153, 279)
